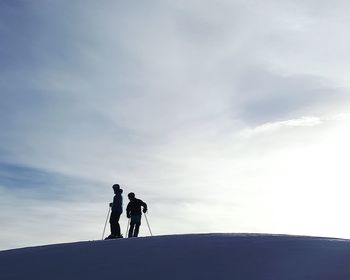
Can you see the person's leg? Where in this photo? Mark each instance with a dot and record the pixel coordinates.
(137, 221)
(113, 221)
(117, 225)
(131, 230)
(136, 231)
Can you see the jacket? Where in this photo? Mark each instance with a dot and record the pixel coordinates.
(134, 207)
(118, 202)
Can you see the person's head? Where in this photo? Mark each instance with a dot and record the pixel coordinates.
(131, 196)
(116, 188)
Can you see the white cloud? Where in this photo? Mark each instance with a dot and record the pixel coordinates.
(300, 122)
(303, 121)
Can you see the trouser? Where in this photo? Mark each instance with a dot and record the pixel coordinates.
(135, 222)
(114, 221)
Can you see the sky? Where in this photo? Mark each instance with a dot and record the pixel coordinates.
(222, 115)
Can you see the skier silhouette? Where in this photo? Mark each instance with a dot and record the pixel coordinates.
(117, 210)
(133, 211)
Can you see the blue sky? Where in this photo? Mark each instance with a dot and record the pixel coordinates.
(223, 115)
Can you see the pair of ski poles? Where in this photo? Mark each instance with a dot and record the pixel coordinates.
(127, 228)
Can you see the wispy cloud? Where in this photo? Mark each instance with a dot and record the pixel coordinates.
(300, 122)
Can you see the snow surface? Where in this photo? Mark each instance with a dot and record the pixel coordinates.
(196, 256)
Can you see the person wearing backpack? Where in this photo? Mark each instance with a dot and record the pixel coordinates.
(117, 210)
(133, 212)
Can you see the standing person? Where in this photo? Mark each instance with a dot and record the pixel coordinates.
(117, 210)
(133, 211)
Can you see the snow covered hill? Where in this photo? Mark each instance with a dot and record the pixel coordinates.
(197, 256)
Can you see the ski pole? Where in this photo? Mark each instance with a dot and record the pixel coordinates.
(148, 225)
(104, 229)
(127, 228)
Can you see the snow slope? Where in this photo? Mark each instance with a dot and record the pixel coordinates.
(197, 256)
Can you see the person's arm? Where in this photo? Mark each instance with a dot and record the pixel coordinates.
(111, 204)
(144, 205)
(128, 210)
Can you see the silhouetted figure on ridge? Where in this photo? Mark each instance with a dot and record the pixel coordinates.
(117, 210)
(133, 211)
